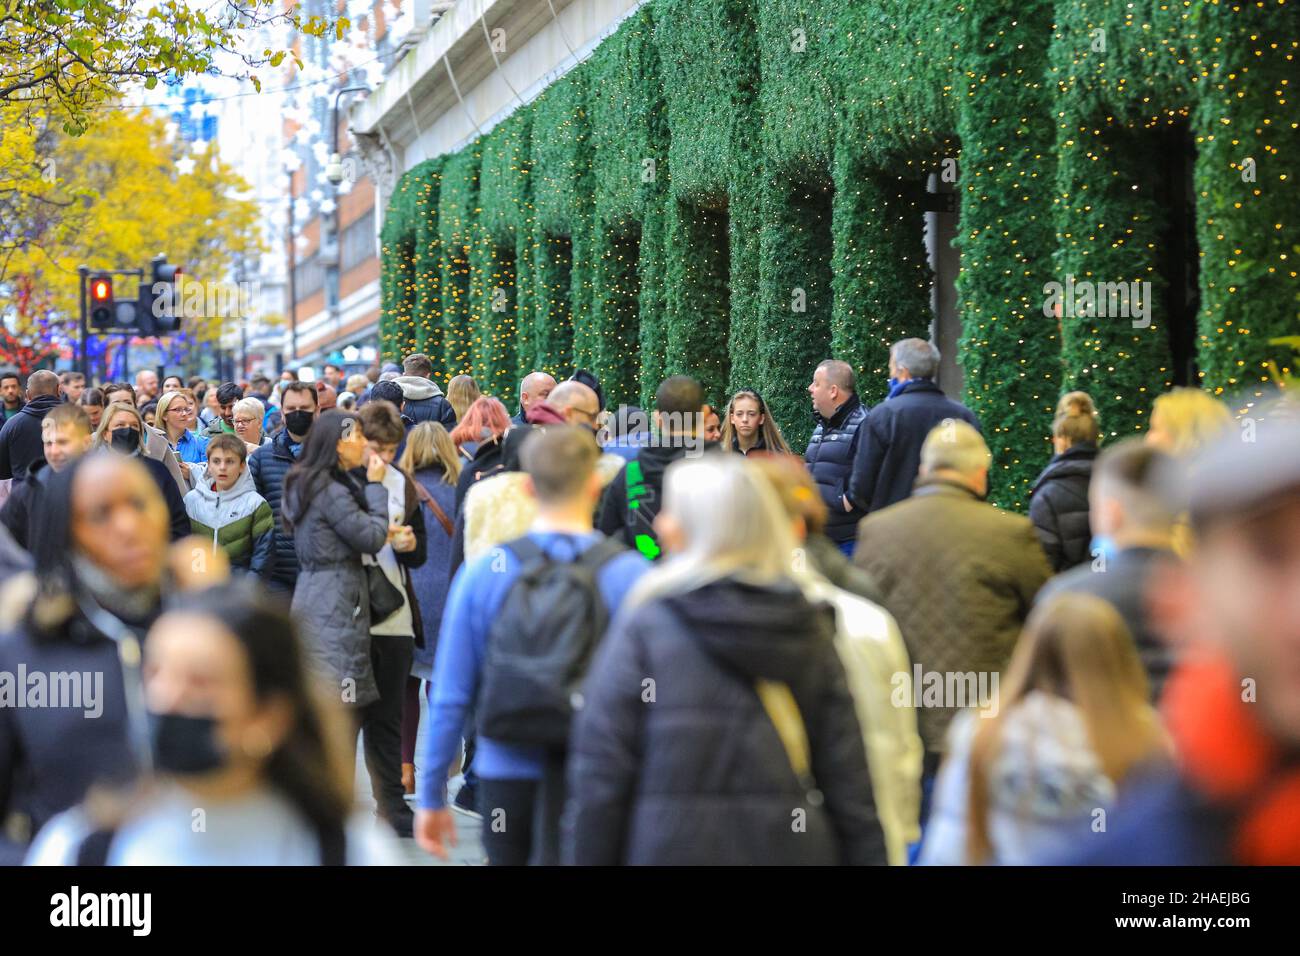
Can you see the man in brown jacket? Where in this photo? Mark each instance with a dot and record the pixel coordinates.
(960, 577)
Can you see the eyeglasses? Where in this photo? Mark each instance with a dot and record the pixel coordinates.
(245, 421)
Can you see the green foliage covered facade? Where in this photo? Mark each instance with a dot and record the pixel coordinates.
(734, 188)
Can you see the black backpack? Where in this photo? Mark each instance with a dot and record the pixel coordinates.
(541, 645)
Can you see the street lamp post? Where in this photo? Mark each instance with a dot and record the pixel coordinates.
(334, 173)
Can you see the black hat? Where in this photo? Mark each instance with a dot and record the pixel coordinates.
(589, 379)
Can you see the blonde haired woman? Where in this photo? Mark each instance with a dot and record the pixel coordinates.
(122, 431)
(1184, 419)
(1024, 778)
(176, 413)
(753, 726)
(748, 425)
(462, 392)
(431, 459)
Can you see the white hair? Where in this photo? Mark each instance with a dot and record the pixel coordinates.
(954, 446)
(733, 523)
(249, 406)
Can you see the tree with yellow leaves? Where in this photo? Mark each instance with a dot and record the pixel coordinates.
(111, 199)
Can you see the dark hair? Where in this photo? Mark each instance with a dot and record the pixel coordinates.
(388, 392)
(380, 422)
(231, 443)
(418, 365)
(302, 388)
(308, 767)
(149, 406)
(259, 382)
(229, 393)
(583, 377)
(168, 378)
(112, 387)
(8, 374)
(68, 377)
(679, 395)
(93, 396)
(317, 465)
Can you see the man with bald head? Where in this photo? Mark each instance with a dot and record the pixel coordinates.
(21, 443)
(146, 387)
(839, 413)
(536, 387)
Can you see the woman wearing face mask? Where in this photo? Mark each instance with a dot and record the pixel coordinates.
(237, 729)
(121, 430)
(334, 519)
(94, 593)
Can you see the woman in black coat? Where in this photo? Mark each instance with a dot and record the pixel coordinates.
(717, 726)
(122, 430)
(1058, 502)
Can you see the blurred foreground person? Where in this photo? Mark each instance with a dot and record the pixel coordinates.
(518, 633)
(237, 730)
(1130, 510)
(1036, 773)
(1233, 702)
(96, 590)
(872, 651)
(718, 728)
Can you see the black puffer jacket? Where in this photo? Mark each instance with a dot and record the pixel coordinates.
(700, 776)
(830, 455)
(268, 466)
(1058, 506)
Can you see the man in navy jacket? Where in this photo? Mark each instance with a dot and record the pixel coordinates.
(889, 451)
(831, 449)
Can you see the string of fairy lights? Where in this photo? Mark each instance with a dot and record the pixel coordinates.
(1058, 120)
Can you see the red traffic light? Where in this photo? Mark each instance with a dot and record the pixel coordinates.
(101, 289)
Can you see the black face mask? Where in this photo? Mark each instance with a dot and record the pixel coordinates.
(185, 745)
(126, 440)
(298, 422)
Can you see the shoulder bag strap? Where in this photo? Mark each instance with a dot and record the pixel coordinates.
(783, 711)
(423, 494)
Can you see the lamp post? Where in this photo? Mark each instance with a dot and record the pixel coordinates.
(334, 173)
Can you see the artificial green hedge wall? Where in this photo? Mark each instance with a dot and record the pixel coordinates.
(733, 188)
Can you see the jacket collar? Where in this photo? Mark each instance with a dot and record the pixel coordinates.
(945, 487)
(841, 414)
(280, 445)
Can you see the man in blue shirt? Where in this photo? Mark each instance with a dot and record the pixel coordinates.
(560, 464)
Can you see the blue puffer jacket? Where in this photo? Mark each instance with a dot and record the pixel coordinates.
(268, 466)
(830, 459)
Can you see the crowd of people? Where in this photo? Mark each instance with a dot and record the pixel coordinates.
(639, 638)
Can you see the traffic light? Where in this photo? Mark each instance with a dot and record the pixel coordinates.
(161, 302)
(102, 313)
